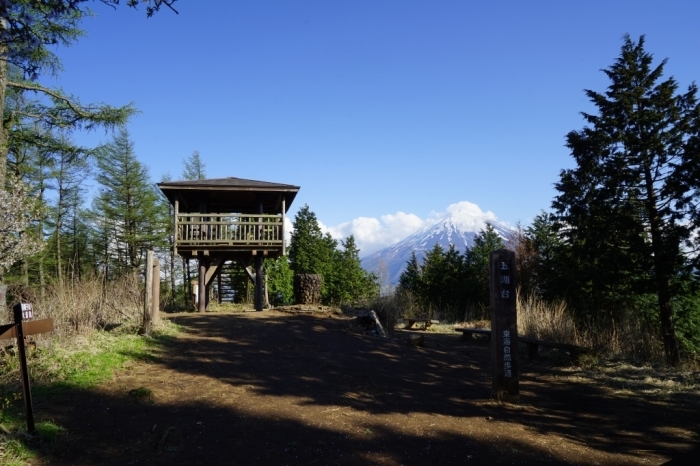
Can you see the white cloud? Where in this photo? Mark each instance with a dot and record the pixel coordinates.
(372, 234)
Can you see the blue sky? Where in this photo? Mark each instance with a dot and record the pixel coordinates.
(384, 112)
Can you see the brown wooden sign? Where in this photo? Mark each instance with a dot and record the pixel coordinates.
(31, 327)
(19, 330)
(504, 327)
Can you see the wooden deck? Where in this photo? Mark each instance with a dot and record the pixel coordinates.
(229, 233)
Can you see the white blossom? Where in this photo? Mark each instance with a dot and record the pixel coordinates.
(17, 212)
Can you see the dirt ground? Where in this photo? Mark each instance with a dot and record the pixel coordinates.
(274, 388)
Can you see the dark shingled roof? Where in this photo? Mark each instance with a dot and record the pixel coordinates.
(229, 195)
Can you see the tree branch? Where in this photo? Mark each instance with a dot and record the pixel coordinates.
(56, 95)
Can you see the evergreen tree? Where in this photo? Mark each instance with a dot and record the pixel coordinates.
(433, 278)
(194, 167)
(525, 259)
(307, 251)
(328, 258)
(477, 266)
(552, 272)
(312, 252)
(129, 217)
(350, 281)
(280, 281)
(629, 205)
(70, 169)
(411, 279)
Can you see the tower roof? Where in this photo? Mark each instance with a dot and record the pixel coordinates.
(229, 195)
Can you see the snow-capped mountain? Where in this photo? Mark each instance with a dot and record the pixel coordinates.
(459, 227)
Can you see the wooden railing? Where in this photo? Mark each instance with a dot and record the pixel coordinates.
(197, 230)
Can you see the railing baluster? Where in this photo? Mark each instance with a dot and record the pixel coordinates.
(199, 230)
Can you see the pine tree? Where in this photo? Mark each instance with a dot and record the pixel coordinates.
(630, 204)
(129, 217)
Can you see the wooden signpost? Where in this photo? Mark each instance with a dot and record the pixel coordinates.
(23, 326)
(504, 327)
(151, 304)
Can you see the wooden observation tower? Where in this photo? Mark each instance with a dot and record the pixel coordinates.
(229, 219)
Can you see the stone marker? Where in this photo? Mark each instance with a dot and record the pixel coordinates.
(504, 327)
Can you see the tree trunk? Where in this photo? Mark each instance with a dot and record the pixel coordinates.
(59, 266)
(25, 272)
(172, 278)
(188, 278)
(662, 272)
(3, 131)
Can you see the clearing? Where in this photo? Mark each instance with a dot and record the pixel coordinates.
(278, 388)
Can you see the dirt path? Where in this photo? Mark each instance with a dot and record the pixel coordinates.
(272, 388)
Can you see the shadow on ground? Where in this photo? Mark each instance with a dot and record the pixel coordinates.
(273, 389)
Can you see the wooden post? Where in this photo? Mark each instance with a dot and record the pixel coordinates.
(284, 215)
(188, 286)
(177, 211)
(259, 266)
(202, 280)
(504, 327)
(155, 303)
(23, 365)
(218, 284)
(259, 282)
(148, 295)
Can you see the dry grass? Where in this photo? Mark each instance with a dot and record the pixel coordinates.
(628, 338)
(546, 321)
(81, 307)
(214, 306)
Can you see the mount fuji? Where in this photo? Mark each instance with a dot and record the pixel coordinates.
(459, 226)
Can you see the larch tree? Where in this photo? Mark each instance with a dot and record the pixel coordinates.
(129, 219)
(28, 29)
(194, 167)
(630, 204)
